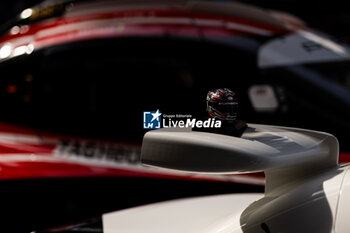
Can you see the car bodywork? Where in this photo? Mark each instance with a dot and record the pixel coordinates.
(305, 191)
(54, 53)
(35, 39)
(306, 188)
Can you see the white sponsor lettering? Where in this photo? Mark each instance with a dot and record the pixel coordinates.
(191, 123)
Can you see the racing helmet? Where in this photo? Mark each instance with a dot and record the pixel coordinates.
(222, 104)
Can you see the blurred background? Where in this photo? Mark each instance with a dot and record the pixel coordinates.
(89, 95)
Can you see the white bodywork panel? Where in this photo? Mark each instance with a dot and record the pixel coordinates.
(315, 202)
(342, 224)
(220, 214)
(300, 48)
(306, 190)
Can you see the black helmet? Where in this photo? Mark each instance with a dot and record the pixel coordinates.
(222, 104)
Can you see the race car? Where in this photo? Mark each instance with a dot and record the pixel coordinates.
(306, 189)
(78, 76)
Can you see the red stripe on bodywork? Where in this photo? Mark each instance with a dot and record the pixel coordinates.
(25, 170)
(14, 169)
(344, 157)
(19, 148)
(148, 14)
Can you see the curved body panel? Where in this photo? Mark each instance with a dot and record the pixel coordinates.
(316, 204)
(198, 215)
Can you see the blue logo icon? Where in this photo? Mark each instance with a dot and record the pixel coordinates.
(151, 120)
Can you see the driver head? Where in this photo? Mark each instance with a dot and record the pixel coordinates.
(222, 104)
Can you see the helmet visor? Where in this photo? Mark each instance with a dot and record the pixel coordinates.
(227, 108)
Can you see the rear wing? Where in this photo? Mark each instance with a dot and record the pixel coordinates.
(282, 153)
